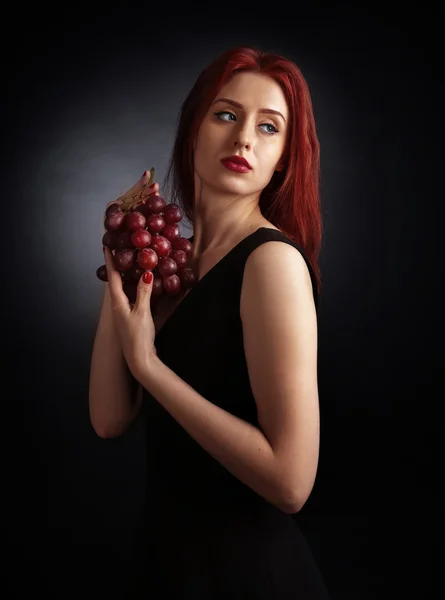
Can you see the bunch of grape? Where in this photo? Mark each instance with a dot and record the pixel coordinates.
(143, 234)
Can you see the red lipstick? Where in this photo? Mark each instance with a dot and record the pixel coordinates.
(236, 163)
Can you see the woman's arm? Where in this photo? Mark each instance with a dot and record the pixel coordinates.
(115, 398)
(280, 339)
(281, 342)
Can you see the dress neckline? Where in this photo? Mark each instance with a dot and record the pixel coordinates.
(206, 276)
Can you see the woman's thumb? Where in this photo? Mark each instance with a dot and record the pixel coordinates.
(147, 277)
(144, 290)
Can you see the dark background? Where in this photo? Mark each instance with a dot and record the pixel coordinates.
(92, 100)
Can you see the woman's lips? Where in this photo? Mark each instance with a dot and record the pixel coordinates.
(235, 166)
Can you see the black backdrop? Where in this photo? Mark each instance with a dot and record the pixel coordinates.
(92, 100)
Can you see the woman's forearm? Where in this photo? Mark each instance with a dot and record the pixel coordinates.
(113, 403)
(236, 444)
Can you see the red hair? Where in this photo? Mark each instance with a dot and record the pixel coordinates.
(291, 200)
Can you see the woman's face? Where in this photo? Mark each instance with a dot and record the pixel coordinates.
(237, 125)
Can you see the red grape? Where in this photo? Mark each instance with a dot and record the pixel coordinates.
(167, 266)
(172, 213)
(155, 204)
(155, 223)
(180, 258)
(148, 259)
(114, 220)
(171, 231)
(124, 240)
(102, 273)
(135, 220)
(124, 259)
(141, 238)
(188, 277)
(137, 271)
(182, 243)
(172, 285)
(158, 288)
(115, 207)
(161, 245)
(127, 275)
(109, 239)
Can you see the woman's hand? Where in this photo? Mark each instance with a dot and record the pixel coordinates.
(134, 324)
(140, 188)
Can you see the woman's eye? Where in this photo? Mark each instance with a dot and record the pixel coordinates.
(222, 113)
(274, 129)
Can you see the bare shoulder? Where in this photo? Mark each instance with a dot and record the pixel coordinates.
(276, 270)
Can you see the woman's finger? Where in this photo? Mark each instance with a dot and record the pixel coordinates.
(118, 297)
(140, 188)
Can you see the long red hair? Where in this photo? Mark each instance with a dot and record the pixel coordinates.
(291, 200)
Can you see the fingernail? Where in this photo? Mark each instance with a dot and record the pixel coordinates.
(147, 277)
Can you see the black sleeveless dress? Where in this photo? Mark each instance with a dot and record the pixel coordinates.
(207, 536)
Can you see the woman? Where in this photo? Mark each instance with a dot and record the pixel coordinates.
(227, 373)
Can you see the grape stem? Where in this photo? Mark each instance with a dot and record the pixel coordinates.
(127, 202)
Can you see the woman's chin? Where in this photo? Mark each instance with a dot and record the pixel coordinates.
(232, 183)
